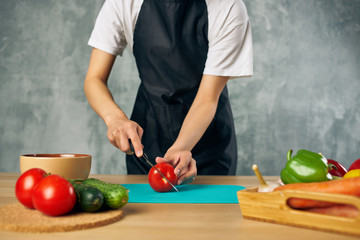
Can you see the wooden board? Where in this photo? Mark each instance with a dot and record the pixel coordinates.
(273, 207)
(16, 217)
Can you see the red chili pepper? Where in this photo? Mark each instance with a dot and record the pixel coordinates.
(336, 168)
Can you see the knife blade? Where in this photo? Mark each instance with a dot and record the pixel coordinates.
(145, 158)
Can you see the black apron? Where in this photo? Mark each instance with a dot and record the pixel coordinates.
(170, 49)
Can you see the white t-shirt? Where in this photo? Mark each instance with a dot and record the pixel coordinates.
(229, 33)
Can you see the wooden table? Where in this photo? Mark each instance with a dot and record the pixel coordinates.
(173, 221)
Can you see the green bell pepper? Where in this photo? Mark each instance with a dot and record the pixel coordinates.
(305, 166)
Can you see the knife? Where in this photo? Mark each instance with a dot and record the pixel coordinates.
(145, 158)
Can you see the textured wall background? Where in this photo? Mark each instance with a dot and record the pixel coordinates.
(305, 92)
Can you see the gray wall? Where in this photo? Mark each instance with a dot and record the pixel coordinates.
(304, 94)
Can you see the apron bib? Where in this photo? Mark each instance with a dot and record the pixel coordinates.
(170, 49)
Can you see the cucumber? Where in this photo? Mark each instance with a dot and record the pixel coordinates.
(89, 198)
(115, 195)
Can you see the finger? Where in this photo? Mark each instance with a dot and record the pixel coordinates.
(189, 176)
(111, 138)
(183, 171)
(138, 147)
(130, 151)
(135, 134)
(122, 141)
(173, 160)
(165, 160)
(185, 159)
(161, 160)
(114, 138)
(112, 141)
(187, 180)
(140, 132)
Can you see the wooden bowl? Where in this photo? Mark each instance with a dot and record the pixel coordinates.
(69, 166)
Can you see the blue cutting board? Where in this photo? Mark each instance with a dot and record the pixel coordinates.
(191, 193)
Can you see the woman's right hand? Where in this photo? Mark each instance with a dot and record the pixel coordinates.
(120, 131)
(120, 128)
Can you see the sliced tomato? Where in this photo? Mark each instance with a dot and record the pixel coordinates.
(157, 181)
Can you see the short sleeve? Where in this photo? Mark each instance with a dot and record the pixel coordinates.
(108, 33)
(230, 42)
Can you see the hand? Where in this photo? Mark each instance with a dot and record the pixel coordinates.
(120, 131)
(185, 165)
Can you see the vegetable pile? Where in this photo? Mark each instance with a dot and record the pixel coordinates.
(54, 195)
(310, 171)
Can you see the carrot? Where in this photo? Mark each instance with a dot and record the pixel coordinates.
(348, 186)
(349, 211)
(302, 203)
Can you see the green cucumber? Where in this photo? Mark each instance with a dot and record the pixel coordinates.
(89, 198)
(115, 195)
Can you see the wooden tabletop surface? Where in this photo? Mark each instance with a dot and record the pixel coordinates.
(173, 221)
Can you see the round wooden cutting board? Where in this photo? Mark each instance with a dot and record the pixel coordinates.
(16, 217)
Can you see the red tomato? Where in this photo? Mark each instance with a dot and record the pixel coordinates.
(355, 165)
(157, 182)
(54, 196)
(25, 185)
(336, 168)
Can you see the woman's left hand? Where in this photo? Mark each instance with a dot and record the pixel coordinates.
(185, 165)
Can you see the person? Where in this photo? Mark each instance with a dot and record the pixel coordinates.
(185, 53)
